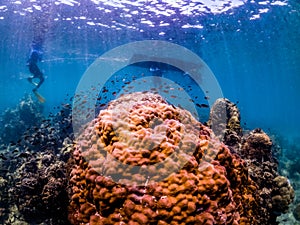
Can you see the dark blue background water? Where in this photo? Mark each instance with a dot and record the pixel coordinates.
(252, 47)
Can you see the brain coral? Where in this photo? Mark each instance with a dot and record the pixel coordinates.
(144, 161)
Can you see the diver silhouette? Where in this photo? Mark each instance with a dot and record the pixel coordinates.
(35, 56)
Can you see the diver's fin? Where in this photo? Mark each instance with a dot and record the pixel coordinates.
(39, 97)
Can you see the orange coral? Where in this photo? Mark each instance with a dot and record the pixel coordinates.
(143, 161)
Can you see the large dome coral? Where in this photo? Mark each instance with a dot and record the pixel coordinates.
(144, 161)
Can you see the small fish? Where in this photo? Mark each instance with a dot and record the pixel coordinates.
(204, 105)
(173, 96)
(206, 97)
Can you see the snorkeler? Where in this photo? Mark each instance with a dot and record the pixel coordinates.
(35, 56)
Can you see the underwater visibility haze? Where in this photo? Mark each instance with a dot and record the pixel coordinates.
(157, 146)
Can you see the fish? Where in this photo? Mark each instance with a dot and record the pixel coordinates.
(202, 105)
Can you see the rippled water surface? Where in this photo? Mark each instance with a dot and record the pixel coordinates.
(252, 47)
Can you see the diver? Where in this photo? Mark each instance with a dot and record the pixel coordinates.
(35, 56)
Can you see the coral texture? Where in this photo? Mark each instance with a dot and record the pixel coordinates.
(296, 212)
(207, 184)
(33, 175)
(40, 191)
(15, 121)
(225, 120)
(274, 192)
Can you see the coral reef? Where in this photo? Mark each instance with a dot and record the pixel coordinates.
(4, 199)
(50, 133)
(140, 161)
(15, 121)
(34, 170)
(224, 120)
(142, 130)
(274, 192)
(40, 189)
(296, 212)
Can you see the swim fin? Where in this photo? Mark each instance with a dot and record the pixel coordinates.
(39, 97)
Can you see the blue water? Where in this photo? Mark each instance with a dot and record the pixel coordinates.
(252, 47)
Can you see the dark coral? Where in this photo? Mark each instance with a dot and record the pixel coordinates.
(296, 212)
(224, 120)
(40, 189)
(4, 199)
(15, 121)
(274, 193)
(34, 169)
(50, 133)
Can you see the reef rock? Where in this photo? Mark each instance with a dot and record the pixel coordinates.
(40, 191)
(15, 121)
(143, 161)
(224, 120)
(296, 212)
(274, 192)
